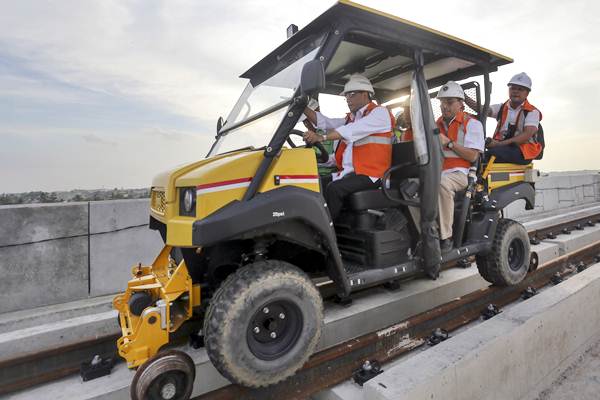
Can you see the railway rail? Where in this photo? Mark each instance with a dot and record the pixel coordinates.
(338, 363)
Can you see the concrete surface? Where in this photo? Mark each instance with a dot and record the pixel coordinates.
(514, 355)
(379, 308)
(22, 224)
(559, 190)
(114, 215)
(545, 252)
(16, 320)
(56, 253)
(576, 240)
(112, 254)
(580, 381)
(51, 271)
(34, 339)
(540, 220)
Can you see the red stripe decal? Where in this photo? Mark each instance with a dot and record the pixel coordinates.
(298, 176)
(223, 183)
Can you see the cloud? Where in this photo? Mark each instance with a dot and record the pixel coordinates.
(95, 139)
(183, 56)
(171, 135)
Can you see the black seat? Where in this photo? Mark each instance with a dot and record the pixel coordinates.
(370, 199)
(375, 199)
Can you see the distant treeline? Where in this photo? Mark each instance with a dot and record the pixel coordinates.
(73, 195)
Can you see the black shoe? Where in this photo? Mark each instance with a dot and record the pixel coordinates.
(433, 272)
(446, 245)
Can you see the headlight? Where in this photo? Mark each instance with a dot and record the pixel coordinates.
(187, 201)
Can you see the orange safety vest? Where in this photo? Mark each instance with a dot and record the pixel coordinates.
(371, 155)
(456, 132)
(531, 148)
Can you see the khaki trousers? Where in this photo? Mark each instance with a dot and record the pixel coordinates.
(449, 184)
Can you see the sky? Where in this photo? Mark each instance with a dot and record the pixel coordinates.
(107, 93)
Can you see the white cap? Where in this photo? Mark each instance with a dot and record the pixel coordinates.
(521, 79)
(358, 82)
(451, 89)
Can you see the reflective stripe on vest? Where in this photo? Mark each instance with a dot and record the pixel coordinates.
(529, 149)
(455, 132)
(371, 155)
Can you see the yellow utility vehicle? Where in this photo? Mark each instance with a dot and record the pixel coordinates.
(247, 232)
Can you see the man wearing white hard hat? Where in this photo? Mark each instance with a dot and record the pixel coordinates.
(364, 152)
(515, 138)
(462, 139)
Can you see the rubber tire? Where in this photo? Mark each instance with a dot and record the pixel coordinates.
(158, 365)
(234, 304)
(139, 301)
(494, 266)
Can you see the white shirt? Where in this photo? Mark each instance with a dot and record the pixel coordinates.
(532, 118)
(377, 121)
(474, 139)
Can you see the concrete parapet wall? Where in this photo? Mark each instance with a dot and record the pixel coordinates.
(54, 253)
(557, 190)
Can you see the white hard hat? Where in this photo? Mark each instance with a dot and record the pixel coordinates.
(451, 89)
(358, 82)
(521, 79)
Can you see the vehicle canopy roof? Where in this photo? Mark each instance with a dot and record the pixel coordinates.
(380, 46)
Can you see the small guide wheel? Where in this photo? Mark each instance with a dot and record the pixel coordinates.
(166, 376)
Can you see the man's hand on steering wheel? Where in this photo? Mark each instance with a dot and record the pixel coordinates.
(322, 156)
(312, 137)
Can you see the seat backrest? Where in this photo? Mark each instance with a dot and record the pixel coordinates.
(404, 152)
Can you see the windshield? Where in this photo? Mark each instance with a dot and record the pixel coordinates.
(257, 114)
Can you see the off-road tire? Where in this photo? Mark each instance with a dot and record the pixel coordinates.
(231, 316)
(508, 261)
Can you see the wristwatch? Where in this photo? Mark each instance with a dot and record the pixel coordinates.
(450, 145)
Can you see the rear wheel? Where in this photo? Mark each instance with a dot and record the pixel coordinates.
(508, 261)
(263, 323)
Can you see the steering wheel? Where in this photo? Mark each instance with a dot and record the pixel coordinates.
(322, 156)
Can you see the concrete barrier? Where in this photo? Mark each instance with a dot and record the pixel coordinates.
(53, 253)
(557, 190)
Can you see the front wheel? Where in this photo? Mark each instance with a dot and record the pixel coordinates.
(166, 376)
(263, 323)
(508, 261)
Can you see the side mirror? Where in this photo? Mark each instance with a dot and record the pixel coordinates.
(219, 124)
(313, 78)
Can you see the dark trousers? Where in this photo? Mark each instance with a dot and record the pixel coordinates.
(507, 154)
(335, 192)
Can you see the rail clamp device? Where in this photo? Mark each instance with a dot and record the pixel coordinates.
(367, 371)
(96, 368)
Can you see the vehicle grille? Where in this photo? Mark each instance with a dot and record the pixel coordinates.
(158, 200)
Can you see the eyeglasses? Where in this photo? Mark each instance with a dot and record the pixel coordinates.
(447, 101)
(351, 94)
(518, 88)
